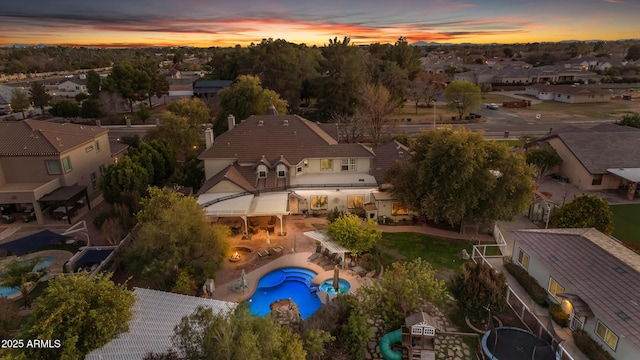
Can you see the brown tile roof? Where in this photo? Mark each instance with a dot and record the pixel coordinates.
(291, 136)
(386, 155)
(33, 137)
(231, 173)
(598, 269)
(570, 89)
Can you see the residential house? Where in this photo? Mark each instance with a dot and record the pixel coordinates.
(72, 87)
(595, 279)
(570, 94)
(45, 165)
(151, 327)
(284, 164)
(520, 74)
(603, 157)
(384, 204)
(209, 88)
(5, 99)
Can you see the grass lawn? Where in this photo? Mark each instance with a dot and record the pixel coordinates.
(444, 255)
(625, 220)
(595, 110)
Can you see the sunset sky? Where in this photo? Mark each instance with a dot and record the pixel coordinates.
(205, 23)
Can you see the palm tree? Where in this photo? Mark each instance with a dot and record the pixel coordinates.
(18, 275)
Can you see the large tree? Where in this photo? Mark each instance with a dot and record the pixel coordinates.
(181, 125)
(239, 335)
(633, 53)
(456, 174)
(584, 211)
(376, 108)
(463, 96)
(67, 109)
(543, 158)
(478, 289)
(425, 88)
(246, 97)
(93, 84)
(20, 274)
(83, 312)
(122, 177)
(354, 234)
(20, 100)
(176, 247)
(39, 95)
(131, 83)
(405, 287)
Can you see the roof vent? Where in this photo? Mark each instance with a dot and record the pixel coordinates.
(260, 123)
(285, 122)
(619, 270)
(622, 315)
(57, 138)
(553, 258)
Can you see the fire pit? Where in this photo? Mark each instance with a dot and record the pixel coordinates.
(240, 254)
(235, 257)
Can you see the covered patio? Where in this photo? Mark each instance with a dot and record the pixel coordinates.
(244, 206)
(327, 243)
(65, 200)
(629, 175)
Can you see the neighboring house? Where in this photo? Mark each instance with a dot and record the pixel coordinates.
(527, 75)
(593, 277)
(571, 94)
(72, 87)
(46, 165)
(209, 88)
(606, 156)
(151, 327)
(284, 164)
(5, 98)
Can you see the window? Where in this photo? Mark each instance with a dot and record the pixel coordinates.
(607, 335)
(348, 164)
(326, 164)
(53, 167)
(399, 209)
(89, 148)
(66, 164)
(319, 202)
(281, 170)
(262, 171)
(94, 180)
(355, 202)
(555, 289)
(299, 169)
(597, 179)
(523, 259)
(97, 145)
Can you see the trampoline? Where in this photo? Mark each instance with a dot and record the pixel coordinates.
(510, 343)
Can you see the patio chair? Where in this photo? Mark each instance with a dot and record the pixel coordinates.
(263, 253)
(313, 257)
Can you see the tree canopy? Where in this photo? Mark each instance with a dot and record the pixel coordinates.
(83, 312)
(124, 176)
(19, 100)
(131, 83)
(19, 274)
(632, 120)
(246, 97)
(238, 336)
(349, 231)
(463, 96)
(456, 174)
(543, 158)
(377, 105)
(39, 95)
(478, 288)
(181, 125)
(584, 211)
(175, 248)
(405, 288)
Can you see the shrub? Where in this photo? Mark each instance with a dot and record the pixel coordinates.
(477, 287)
(590, 347)
(530, 285)
(558, 315)
(334, 214)
(99, 219)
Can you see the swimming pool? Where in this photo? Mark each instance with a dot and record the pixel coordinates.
(285, 283)
(44, 263)
(327, 286)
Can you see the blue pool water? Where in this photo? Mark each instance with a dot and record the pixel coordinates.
(294, 283)
(327, 286)
(44, 263)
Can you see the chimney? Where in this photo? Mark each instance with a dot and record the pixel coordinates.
(208, 137)
(231, 120)
(272, 110)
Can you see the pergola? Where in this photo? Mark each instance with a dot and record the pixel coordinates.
(246, 205)
(632, 175)
(327, 243)
(67, 197)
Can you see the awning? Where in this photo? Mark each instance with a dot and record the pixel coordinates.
(33, 242)
(326, 241)
(64, 194)
(579, 306)
(272, 203)
(630, 174)
(92, 256)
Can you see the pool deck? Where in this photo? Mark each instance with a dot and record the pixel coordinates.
(223, 292)
(60, 257)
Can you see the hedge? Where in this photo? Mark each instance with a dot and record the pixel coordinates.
(530, 285)
(558, 315)
(590, 347)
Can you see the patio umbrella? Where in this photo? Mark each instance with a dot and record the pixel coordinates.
(336, 278)
(243, 280)
(268, 242)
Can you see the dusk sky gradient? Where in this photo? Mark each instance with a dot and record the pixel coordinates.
(205, 23)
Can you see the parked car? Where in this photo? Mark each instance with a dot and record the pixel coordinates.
(560, 177)
(492, 106)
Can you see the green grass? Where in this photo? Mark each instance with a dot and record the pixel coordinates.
(512, 143)
(625, 219)
(443, 254)
(595, 110)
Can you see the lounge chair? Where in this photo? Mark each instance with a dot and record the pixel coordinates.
(277, 249)
(313, 257)
(263, 253)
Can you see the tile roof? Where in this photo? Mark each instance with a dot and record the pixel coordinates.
(595, 267)
(386, 155)
(273, 136)
(569, 89)
(33, 137)
(230, 173)
(599, 151)
(155, 314)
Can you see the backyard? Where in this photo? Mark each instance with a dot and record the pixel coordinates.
(625, 219)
